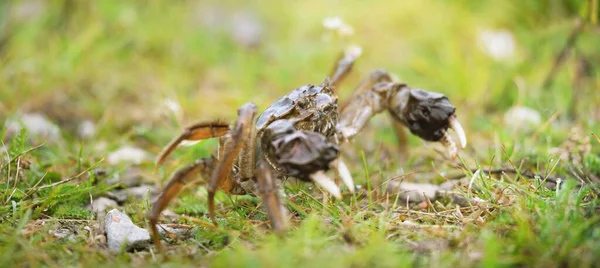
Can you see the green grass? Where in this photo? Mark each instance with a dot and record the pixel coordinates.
(115, 62)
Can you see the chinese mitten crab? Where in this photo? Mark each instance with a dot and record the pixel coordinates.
(298, 135)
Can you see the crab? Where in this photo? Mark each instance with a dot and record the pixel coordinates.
(298, 136)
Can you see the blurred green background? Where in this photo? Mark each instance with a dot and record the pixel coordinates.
(97, 59)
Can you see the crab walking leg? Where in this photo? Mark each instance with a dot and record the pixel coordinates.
(344, 65)
(178, 180)
(326, 183)
(247, 158)
(270, 195)
(239, 135)
(376, 76)
(199, 131)
(344, 173)
(358, 112)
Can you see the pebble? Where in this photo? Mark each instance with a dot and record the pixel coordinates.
(36, 124)
(179, 231)
(128, 154)
(136, 193)
(86, 129)
(132, 177)
(522, 118)
(122, 233)
(413, 192)
(101, 204)
(64, 233)
(498, 44)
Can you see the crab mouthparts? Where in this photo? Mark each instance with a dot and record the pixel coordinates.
(326, 183)
(344, 173)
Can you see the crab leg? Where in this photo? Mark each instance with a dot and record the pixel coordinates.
(376, 76)
(344, 65)
(198, 131)
(178, 180)
(426, 114)
(270, 196)
(239, 135)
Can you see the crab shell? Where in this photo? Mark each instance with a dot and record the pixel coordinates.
(296, 132)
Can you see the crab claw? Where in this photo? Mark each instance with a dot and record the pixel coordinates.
(458, 129)
(344, 173)
(326, 183)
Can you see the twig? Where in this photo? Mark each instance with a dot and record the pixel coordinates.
(562, 55)
(69, 179)
(20, 154)
(597, 139)
(512, 171)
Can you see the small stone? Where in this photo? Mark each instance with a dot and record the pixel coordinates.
(498, 44)
(127, 154)
(122, 233)
(170, 215)
(522, 118)
(175, 231)
(246, 29)
(36, 125)
(132, 177)
(86, 129)
(64, 233)
(101, 204)
(136, 193)
(460, 199)
(413, 192)
(27, 10)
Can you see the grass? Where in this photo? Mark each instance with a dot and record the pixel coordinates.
(116, 62)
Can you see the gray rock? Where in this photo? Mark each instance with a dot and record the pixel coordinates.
(121, 233)
(132, 177)
(413, 192)
(460, 199)
(86, 129)
(246, 29)
(63, 233)
(128, 154)
(136, 193)
(176, 231)
(36, 125)
(101, 204)
(451, 185)
(522, 118)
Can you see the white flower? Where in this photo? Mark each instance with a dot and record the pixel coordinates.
(333, 23)
(337, 25)
(354, 51)
(172, 105)
(345, 30)
(499, 44)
